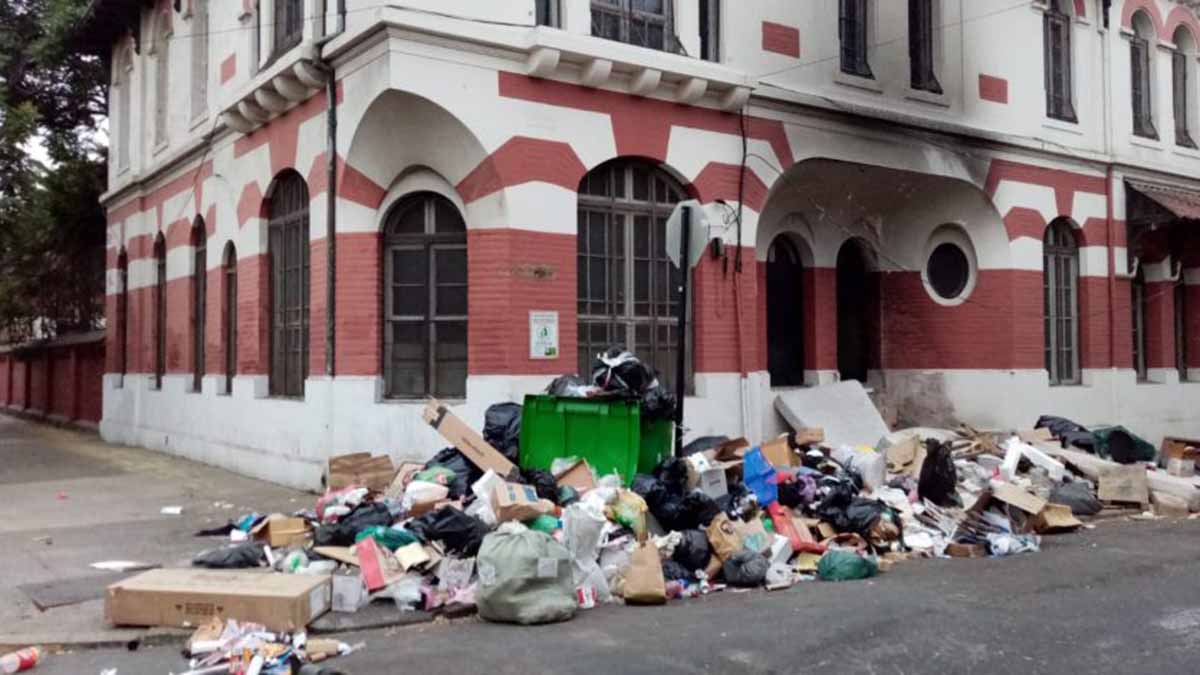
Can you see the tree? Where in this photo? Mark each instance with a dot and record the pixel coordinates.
(52, 228)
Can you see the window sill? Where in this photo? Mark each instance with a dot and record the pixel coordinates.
(1145, 142)
(923, 96)
(1184, 151)
(1062, 125)
(198, 121)
(419, 400)
(857, 82)
(159, 147)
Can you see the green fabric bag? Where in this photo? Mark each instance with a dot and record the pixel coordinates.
(845, 566)
(524, 577)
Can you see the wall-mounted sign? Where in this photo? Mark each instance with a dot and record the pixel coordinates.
(543, 335)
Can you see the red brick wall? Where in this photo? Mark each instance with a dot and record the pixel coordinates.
(318, 264)
(509, 273)
(254, 320)
(1193, 326)
(359, 301)
(19, 372)
(1160, 324)
(214, 322)
(820, 326)
(5, 379)
(90, 384)
(1094, 326)
(716, 314)
(1122, 326)
(179, 326)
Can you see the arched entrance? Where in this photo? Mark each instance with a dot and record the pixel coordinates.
(785, 313)
(855, 303)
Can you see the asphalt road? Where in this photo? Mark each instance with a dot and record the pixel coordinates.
(1122, 598)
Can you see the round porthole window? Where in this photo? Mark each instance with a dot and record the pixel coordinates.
(948, 271)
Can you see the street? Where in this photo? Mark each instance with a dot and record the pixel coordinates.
(1119, 598)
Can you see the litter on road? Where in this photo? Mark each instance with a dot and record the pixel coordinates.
(580, 498)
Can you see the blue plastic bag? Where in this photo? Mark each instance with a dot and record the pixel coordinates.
(759, 476)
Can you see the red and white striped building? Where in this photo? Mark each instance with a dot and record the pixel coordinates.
(985, 210)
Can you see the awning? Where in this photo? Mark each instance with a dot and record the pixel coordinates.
(1182, 203)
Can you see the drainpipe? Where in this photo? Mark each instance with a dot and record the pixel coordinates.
(1106, 65)
(331, 186)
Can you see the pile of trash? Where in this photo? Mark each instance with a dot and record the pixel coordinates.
(230, 646)
(471, 528)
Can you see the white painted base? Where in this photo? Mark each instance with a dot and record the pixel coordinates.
(286, 441)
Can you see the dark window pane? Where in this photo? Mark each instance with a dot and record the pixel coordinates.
(451, 265)
(408, 219)
(948, 271)
(451, 301)
(449, 220)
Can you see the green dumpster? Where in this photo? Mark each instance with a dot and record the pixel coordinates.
(609, 434)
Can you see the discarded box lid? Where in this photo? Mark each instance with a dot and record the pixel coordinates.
(189, 597)
(1056, 518)
(359, 468)
(279, 530)
(467, 440)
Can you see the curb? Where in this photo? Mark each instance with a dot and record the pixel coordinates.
(154, 637)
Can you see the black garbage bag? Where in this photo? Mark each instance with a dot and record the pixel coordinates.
(1066, 431)
(698, 510)
(838, 491)
(569, 386)
(693, 551)
(650, 489)
(461, 533)
(618, 370)
(939, 478)
(245, 554)
(343, 532)
(746, 569)
(1078, 495)
(658, 403)
(673, 571)
(703, 443)
(502, 429)
(858, 515)
(543, 482)
(464, 470)
(731, 501)
(672, 473)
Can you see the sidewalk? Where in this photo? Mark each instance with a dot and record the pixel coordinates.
(96, 501)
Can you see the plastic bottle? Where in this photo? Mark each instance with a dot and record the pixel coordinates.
(20, 660)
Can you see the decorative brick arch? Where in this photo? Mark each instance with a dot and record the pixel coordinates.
(1150, 7)
(1181, 17)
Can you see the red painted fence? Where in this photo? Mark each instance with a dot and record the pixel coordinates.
(62, 379)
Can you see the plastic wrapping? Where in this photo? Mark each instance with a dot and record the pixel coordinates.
(746, 569)
(460, 532)
(502, 429)
(524, 577)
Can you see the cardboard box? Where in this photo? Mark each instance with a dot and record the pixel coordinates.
(730, 451)
(578, 476)
(1125, 484)
(809, 436)
(404, 474)
(707, 476)
(1183, 467)
(360, 468)
(514, 501)
(184, 598)
(779, 452)
(279, 530)
(467, 440)
(1014, 496)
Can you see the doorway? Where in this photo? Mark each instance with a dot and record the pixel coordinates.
(785, 314)
(855, 302)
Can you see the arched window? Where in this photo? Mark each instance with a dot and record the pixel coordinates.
(628, 290)
(199, 300)
(785, 313)
(123, 312)
(853, 22)
(288, 251)
(230, 316)
(1060, 260)
(160, 310)
(124, 111)
(1141, 60)
(425, 298)
(1056, 36)
(162, 79)
(199, 58)
(1183, 63)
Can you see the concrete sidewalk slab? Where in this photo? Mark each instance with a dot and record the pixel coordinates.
(95, 502)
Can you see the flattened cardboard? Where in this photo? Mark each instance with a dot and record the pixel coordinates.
(280, 531)
(411, 556)
(906, 457)
(1014, 496)
(809, 436)
(731, 451)
(1041, 435)
(359, 468)
(1056, 518)
(342, 554)
(707, 476)
(185, 598)
(467, 440)
(579, 476)
(1124, 484)
(379, 567)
